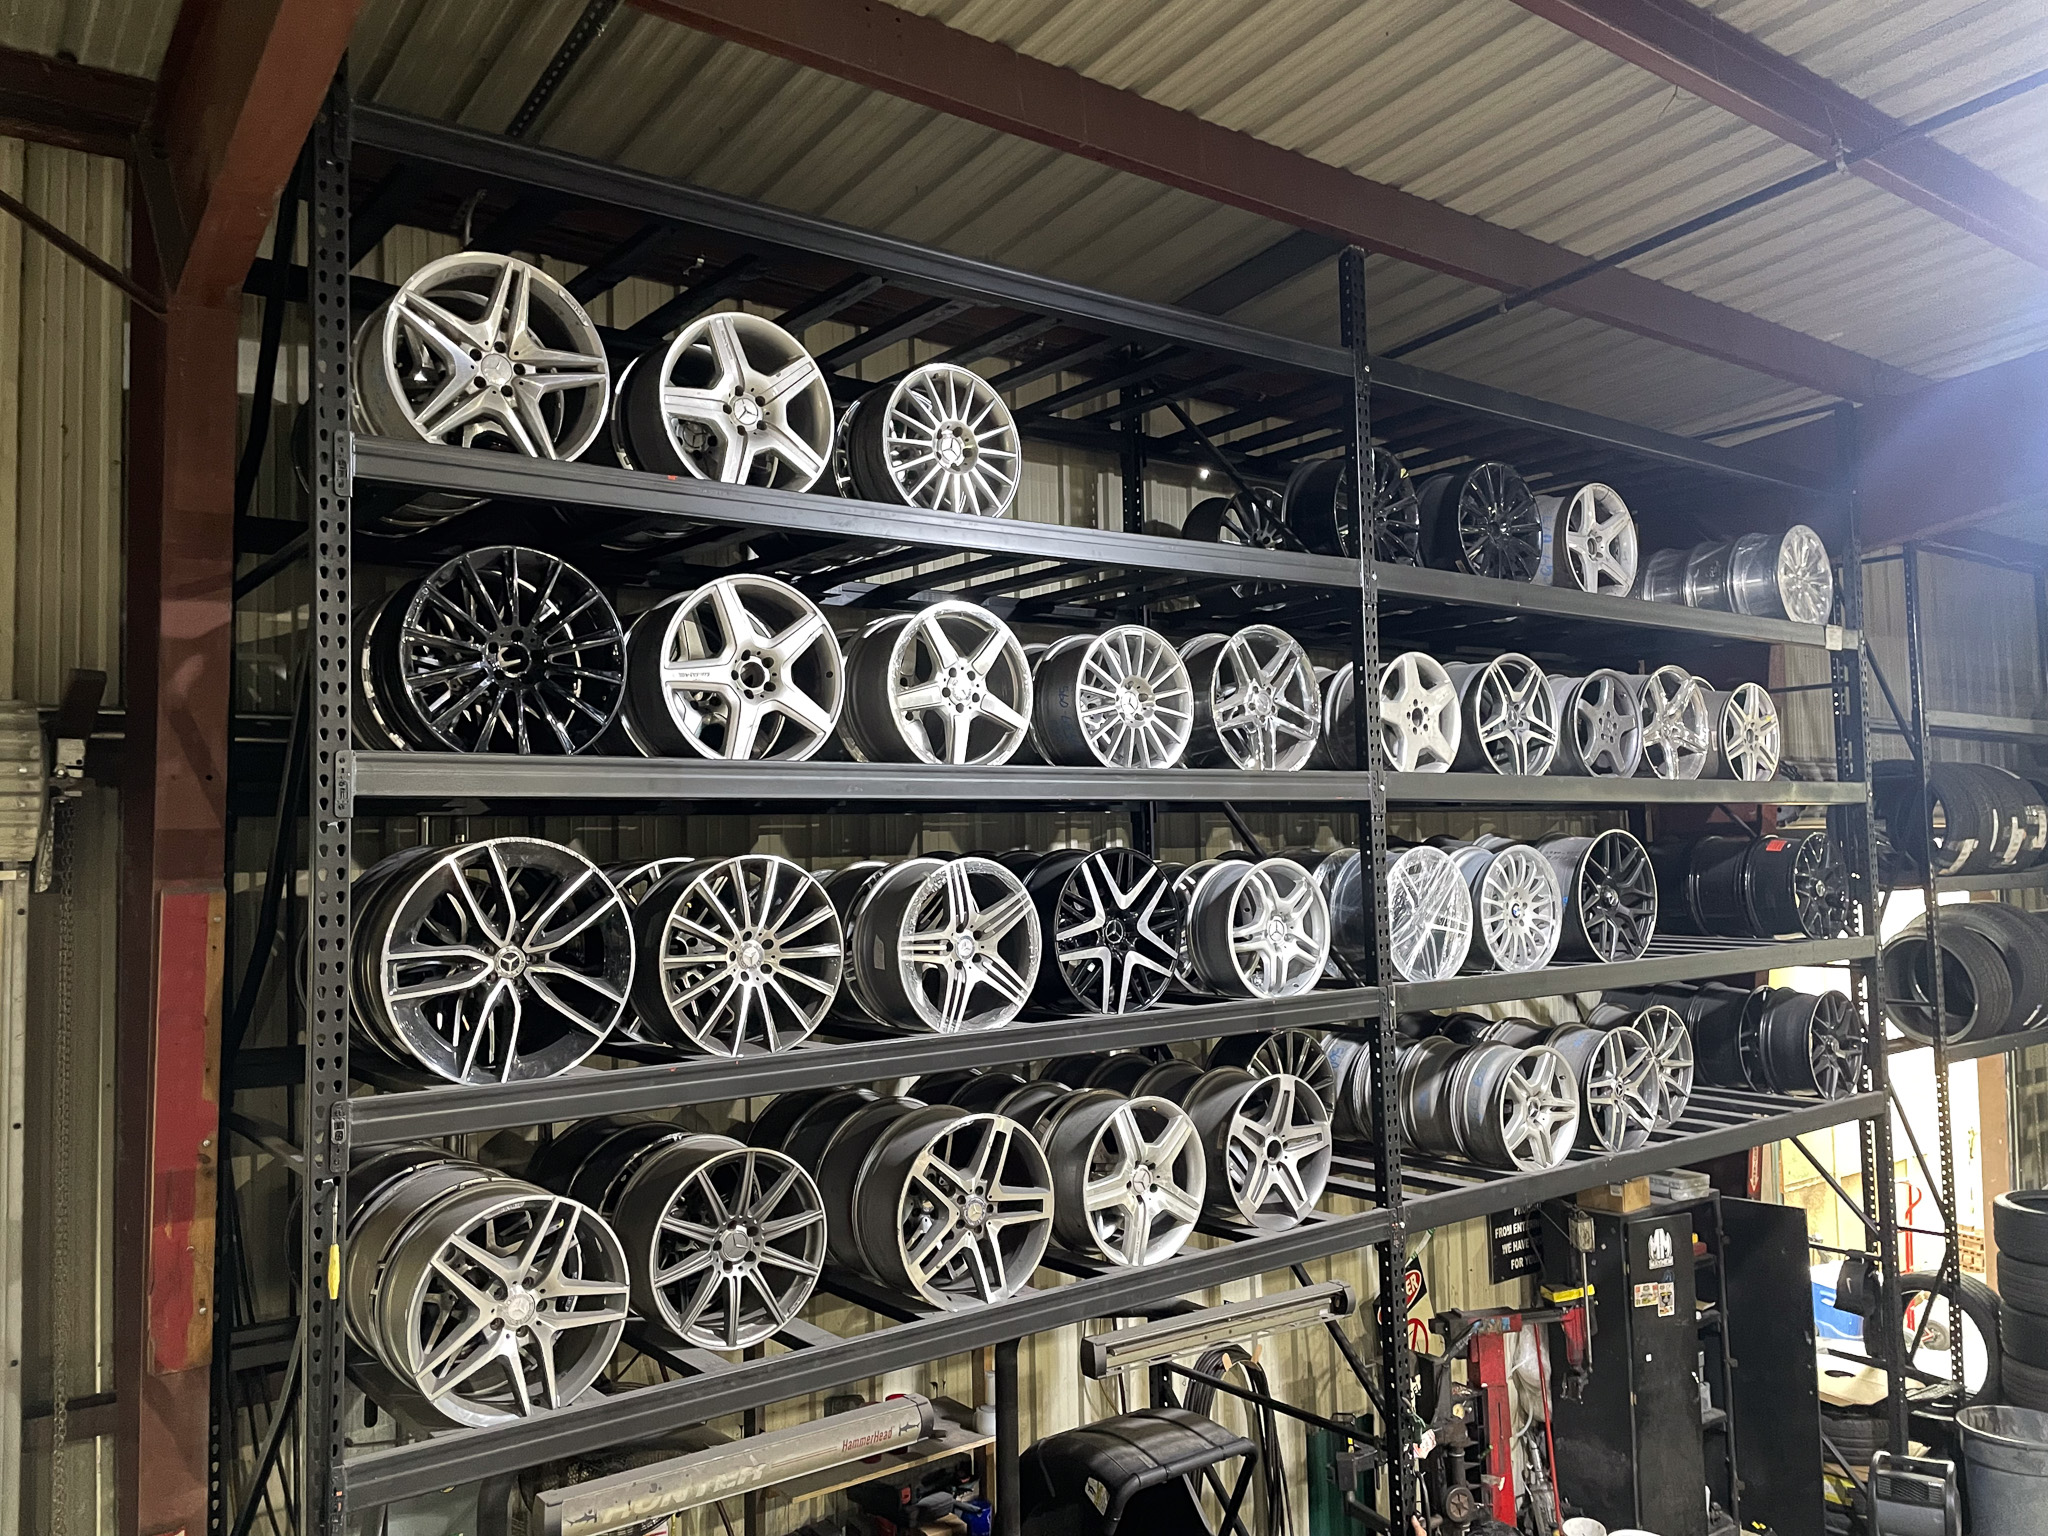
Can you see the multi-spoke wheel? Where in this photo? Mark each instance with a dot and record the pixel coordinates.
(1268, 1141)
(635, 878)
(1429, 914)
(1318, 509)
(1592, 540)
(1114, 921)
(1301, 1053)
(1619, 1091)
(1483, 521)
(1783, 576)
(947, 947)
(741, 668)
(736, 957)
(947, 684)
(1420, 723)
(484, 1302)
(1599, 733)
(733, 397)
(1250, 517)
(1256, 700)
(500, 650)
(1128, 1177)
(1610, 895)
(1259, 929)
(1121, 699)
(1675, 722)
(1516, 907)
(939, 437)
(1747, 734)
(1514, 1107)
(955, 1207)
(723, 1241)
(496, 961)
(1508, 716)
(1672, 1055)
(478, 350)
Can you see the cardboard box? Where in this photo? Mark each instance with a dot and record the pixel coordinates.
(1618, 1198)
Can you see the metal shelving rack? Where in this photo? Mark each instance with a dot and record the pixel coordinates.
(615, 222)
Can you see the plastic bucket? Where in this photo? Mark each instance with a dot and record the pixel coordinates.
(2005, 1461)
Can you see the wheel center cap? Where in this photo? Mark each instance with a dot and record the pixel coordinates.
(974, 1210)
(748, 411)
(495, 369)
(751, 954)
(1113, 931)
(950, 445)
(734, 1244)
(510, 961)
(1276, 932)
(1141, 1180)
(964, 947)
(520, 1309)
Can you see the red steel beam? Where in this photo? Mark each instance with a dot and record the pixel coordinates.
(925, 61)
(52, 101)
(1716, 62)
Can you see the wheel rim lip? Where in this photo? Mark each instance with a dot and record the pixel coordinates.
(816, 396)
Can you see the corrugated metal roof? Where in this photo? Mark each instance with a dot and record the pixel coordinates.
(128, 36)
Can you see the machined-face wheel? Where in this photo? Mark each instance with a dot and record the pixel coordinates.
(1748, 734)
(1676, 723)
(947, 684)
(742, 668)
(1783, 576)
(1298, 1053)
(1128, 1177)
(1516, 1107)
(939, 438)
(1121, 699)
(733, 397)
(1259, 929)
(1318, 510)
(1268, 1141)
(1516, 907)
(1508, 715)
(1672, 1054)
(949, 947)
(1619, 1089)
(1257, 704)
(479, 350)
(1610, 895)
(1252, 518)
(1429, 914)
(1115, 922)
(1599, 732)
(736, 957)
(1420, 722)
(1482, 520)
(1593, 540)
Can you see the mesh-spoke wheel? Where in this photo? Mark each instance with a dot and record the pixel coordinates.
(1128, 1177)
(1671, 1052)
(1507, 714)
(1298, 1053)
(1268, 1141)
(1619, 1091)
(1610, 895)
(733, 397)
(1259, 929)
(500, 650)
(497, 961)
(479, 350)
(1121, 699)
(955, 1207)
(1599, 734)
(1593, 540)
(1811, 1043)
(1517, 911)
(741, 668)
(1747, 734)
(1114, 920)
(1783, 576)
(1483, 521)
(1257, 704)
(939, 437)
(724, 1242)
(1429, 914)
(736, 957)
(496, 1300)
(1250, 517)
(948, 948)
(1515, 1107)
(1420, 722)
(947, 684)
(1676, 723)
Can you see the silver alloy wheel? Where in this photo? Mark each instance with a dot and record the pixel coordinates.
(1268, 1142)
(1676, 724)
(952, 948)
(733, 397)
(500, 650)
(498, 961)
(737, 956)
(479, 350)
(724, 1242)
(1610, 895)
(1420, 722)
(1337, 741)
(1662, 577)
(1257, 705)
(1429, 914)
(1301, 1053)
(1261, 930)
(743, 668)
(1115, 922)
(1517, 1107)
(955, 1207)
(1351, 1053)
(939, 437)
(1128, 1177)
(947, 684)
(634, 879)
(498, 1301)
(1516, 908)
(1598, 732)
(1705, 584)
(1672, 1053)
(1593, 540)
(1618, 1084)
(1189, 883)
(1786, 576)
(1747, 734)
(1121, 699)
(1507, 715)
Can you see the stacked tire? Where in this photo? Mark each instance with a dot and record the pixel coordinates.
(1985, 820)
(1994, 973)
(2019, 1226)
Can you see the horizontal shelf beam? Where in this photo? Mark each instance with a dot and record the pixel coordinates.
(1962, 723)
(1502, 789)
(455, 1109)
(1970, 1050)
(1685, 960)
(2016, 880)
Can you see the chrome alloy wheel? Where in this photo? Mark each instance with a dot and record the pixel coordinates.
(1783, 576)
(1420, 723)
(1128, 1177)
(1517, 910)
(736, 956)
(498, 961)
(1429, 913)
(947, 684)
(733, 397)
(1598, 731)
(940, 438)
(1747, 733)
(1676, 724)
(1268, 1141)
(1298, 1053)
(1593, 540)
(1257, 704)
(1508, 716)
(1259, 929)
(1619, 1091)
(1121, 699)
(1115, 921)
(742, 668)
(947, 948)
